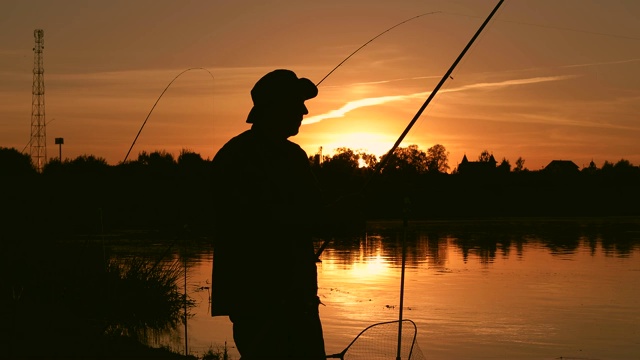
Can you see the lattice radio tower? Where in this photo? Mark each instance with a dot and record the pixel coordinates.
(38, 143)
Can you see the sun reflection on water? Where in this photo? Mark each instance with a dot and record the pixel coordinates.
(370, 267)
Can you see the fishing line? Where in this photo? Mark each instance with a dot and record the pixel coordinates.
(156, 103)
(373, 38)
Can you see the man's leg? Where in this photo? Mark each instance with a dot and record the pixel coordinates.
(280, 333)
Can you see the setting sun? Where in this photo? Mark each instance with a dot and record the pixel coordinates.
(371, 143)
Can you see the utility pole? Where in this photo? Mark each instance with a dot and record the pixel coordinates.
(38, 125)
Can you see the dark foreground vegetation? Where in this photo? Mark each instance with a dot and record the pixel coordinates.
(60, 299)
(68, 300)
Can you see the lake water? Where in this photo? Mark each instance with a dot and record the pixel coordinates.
(491, 289)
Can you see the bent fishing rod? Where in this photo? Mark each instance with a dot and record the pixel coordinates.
(156, 103)
(385, 159)
(372, 39)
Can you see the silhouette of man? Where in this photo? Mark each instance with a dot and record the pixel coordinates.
(267, 200)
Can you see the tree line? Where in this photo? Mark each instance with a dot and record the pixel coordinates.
(404, 161)
(160, 191)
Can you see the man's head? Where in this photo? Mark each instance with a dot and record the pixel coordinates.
(278, 101)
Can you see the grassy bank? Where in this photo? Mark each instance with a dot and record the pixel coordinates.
(74, 300)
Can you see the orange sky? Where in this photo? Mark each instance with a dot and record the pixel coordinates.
(547, 79)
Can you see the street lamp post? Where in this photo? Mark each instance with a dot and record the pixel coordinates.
(60, 141)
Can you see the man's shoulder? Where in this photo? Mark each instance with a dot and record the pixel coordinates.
(236, 146)
(293, 147)
(249, 142)
(241, 139)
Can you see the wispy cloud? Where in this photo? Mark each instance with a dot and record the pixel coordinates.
(567, 121)
(386, 81)
(373, 101)
(356, 104)
(602, 63)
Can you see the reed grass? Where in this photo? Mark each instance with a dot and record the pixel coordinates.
(217, 353)
(65, 300)
(143, 299)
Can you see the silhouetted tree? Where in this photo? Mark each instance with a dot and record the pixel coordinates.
(83, 164)
(624, 172)
(157, 158)
(437, 159)
(188, 157)
(88, 164)
(370, 161)
(192, 163)
(607, 167)
(624, 165)
(344, 161)
(157, 162)
(485, 156)
(12, 162)
(339, 174)
(519, 165)
(409, 160)
(53, 166)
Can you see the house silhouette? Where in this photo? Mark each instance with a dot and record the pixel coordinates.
(561, 167)
(477, 167)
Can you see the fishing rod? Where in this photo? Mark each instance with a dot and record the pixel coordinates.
(385, 160)
(447, 75)
(367, 43)
(156, 103)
